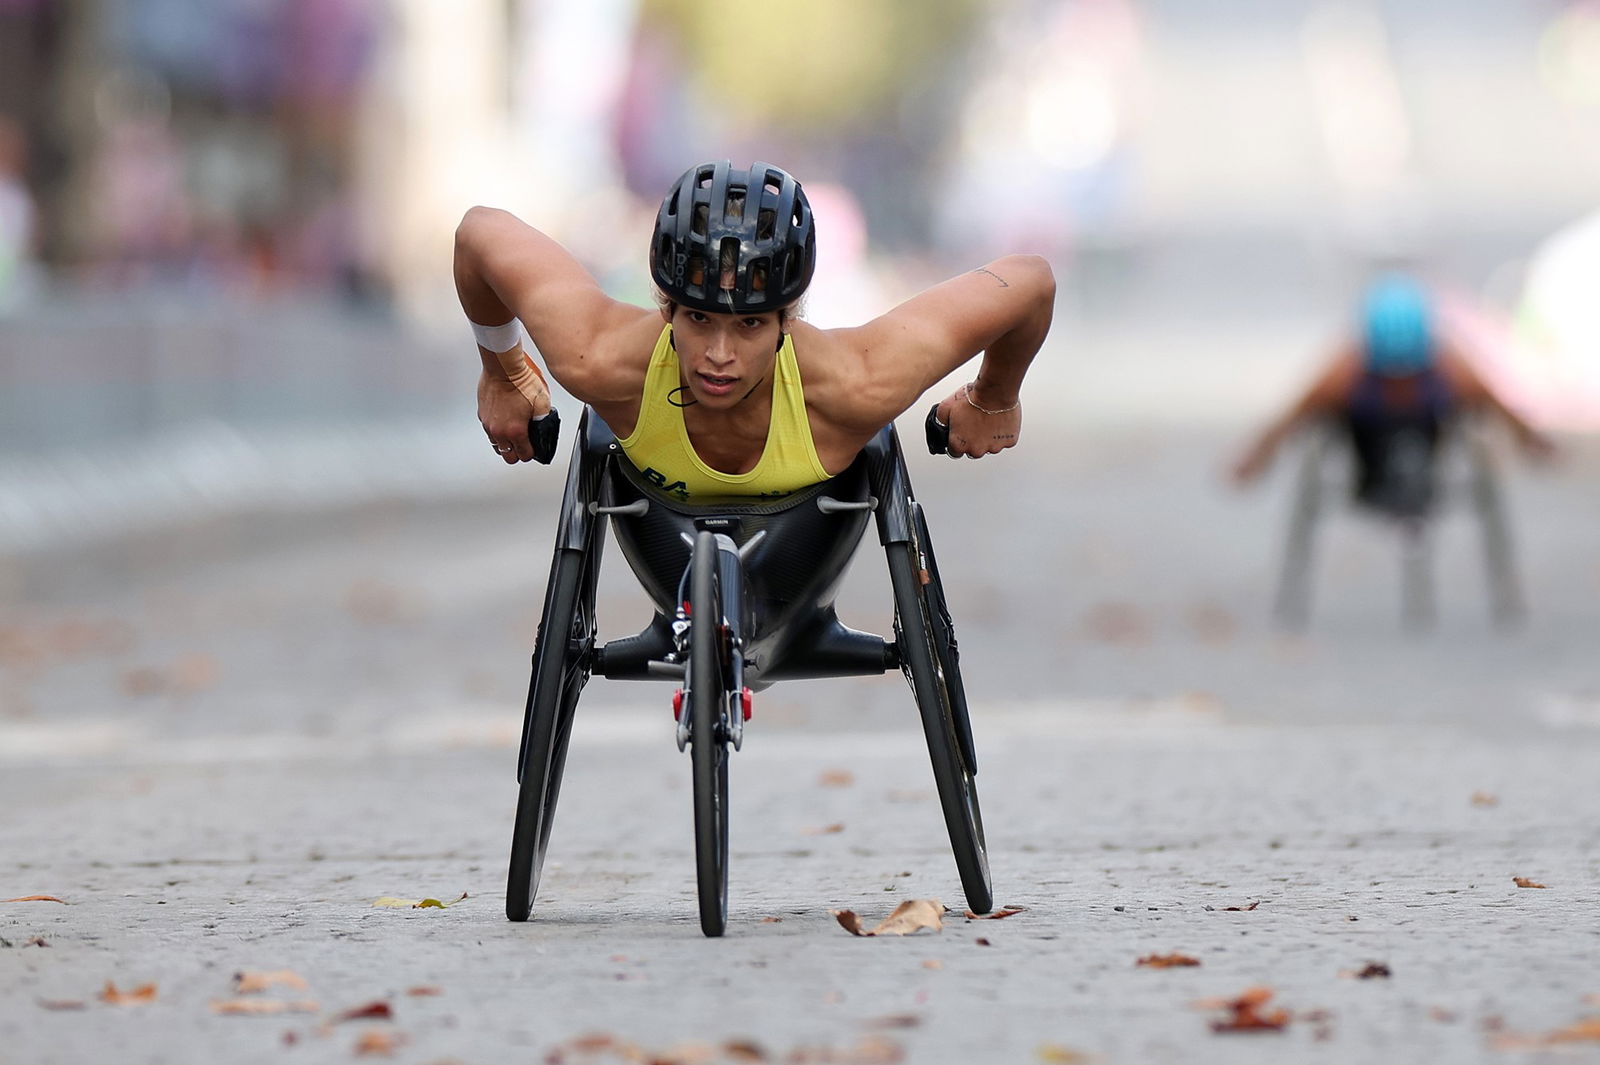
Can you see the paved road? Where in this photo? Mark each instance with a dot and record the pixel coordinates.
(221, 743)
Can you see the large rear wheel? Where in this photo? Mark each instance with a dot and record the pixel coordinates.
(708, 684)
(561, 662)
(928, 659)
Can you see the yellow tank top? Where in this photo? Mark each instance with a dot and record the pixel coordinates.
(659, 444)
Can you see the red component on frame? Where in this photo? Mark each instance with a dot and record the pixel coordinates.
(677, 705)
(744, 699)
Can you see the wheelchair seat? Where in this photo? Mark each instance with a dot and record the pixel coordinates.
(799, 549)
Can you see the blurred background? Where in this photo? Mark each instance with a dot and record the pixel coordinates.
(225, 231)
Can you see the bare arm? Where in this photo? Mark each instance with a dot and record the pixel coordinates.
(1325, 396)
(1002, 310)
(505, 268)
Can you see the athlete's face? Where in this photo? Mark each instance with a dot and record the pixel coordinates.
(725, 357)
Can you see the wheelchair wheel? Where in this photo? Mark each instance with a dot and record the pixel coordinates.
(560, 670)
(707, 697)
(934, 676)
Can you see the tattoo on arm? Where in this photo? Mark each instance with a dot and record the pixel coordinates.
(985, 270)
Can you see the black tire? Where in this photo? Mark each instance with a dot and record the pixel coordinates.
(920, 659)
(560, 670)
(708, 695)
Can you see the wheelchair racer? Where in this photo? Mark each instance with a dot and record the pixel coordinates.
(723, 389)
(1395, 388)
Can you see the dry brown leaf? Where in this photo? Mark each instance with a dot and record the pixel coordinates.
(1585, 1031)
(1118, 623)
(143, 681)
(1242, 909)
(63, 1004)
(836, 778)
(37, 941)
(982, 942)
(1247, 1015)
(378, 1041)
(36, 898)
(248, 983)
(995, 915)
(424, 991)
(772, 920)
(378, 1010)
(1484, 798)
(1522, 881)
(933, 963)
(142, 995)
(1167, 961)
(894, 1020)
(1373, 970)
(744, 1050)
(258, 1006)
(910, 916)
(823, 830)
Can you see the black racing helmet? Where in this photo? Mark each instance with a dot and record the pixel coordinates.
(756, 221)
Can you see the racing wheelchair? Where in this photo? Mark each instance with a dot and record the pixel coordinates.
(743, 593)
(1409, 482)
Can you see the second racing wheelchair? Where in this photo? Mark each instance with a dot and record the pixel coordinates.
(743, 591)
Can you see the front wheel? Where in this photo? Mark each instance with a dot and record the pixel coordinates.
(933, 676)
(560, 670)
(708, 684)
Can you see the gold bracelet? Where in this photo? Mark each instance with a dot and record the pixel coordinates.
(966, 393)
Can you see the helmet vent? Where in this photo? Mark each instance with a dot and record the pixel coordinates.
(764, 222)
(733, 213)
(702, 215)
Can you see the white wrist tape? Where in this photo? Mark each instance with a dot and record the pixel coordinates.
(498, 338)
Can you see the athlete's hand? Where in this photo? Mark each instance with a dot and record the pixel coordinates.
(511, 391)
(977, 428)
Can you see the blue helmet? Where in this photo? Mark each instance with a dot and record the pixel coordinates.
(1397, 327)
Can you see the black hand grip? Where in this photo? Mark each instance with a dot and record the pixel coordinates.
(543, 434)
(938, 433)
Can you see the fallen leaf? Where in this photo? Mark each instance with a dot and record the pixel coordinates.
(894, 1020)
(1484, 798)
(995, 915)
(836, 778)
(1167, 961)
(378, 1041)
(378, 1010)
(744, 1050)
(248, 983)
(982, 942)
(933, 963)
(424, 991)
(138, 996)
(823, 830)
(37, 941)
(1522, 881)
(436, 904)
(1247, 1016)
(1054, 1054)
(772, 920)
(63, 1004)
(258, 1006)
(1242, 909)
(1442, 1015)
(1585, 1031)
(389, 902)
(1373, 970)
(910, 916)
(36, 898)
(1118, 623)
